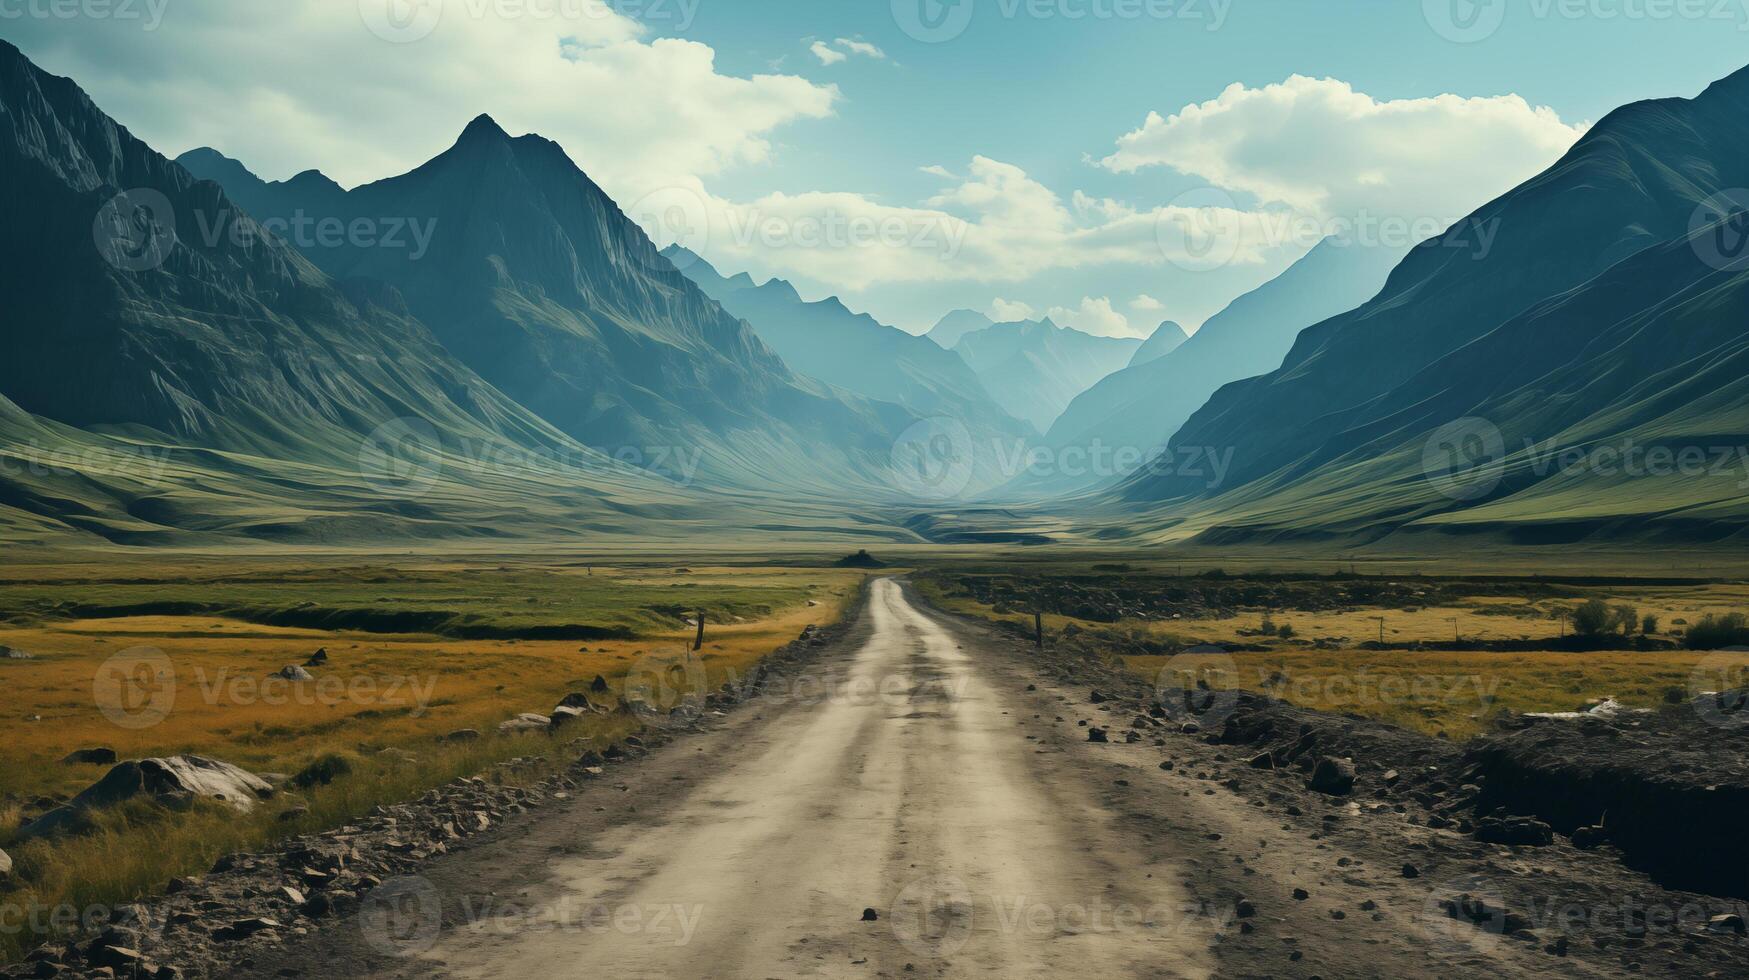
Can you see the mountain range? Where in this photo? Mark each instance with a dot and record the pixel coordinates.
(1165, 339)
(1034, 368)
(534, 278)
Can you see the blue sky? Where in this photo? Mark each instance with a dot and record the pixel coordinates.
(722, 110)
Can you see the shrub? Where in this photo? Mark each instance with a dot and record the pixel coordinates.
(1592, 619)
(1285, 631)
(323, 771)
(1714, 632)
(1624, 620)
(1649, 625)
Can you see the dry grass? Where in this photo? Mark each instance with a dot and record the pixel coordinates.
(378, 691)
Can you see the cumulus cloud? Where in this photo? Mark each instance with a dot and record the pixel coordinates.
(1011, 311)
(290, 86)
(1094, 316)
(826, 54)
(1146, 304)
(1317, 146)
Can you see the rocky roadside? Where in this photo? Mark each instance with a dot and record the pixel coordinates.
(249, 906)
(1431, 826)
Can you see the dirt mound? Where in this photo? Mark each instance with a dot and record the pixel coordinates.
(861, 559)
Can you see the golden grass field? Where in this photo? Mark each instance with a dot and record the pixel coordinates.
(379, 691)
(1455, 694)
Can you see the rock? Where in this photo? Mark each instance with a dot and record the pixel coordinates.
(1515, 831)
(1589, 838)
(8, 653)
(1189, 728)
(870, 915)
(244, 928)
(294, 673)
(1264, 761)
(1244, 909)
(526, 722)
(1411, 871)
(1729, 923)
(1300, 894)
(564, 715)
(1469, 908)
(165, 780)
(90, 757)
(289, 895)
(318, 658)
(598, 685)
(5, 867)
(1097, 697)
(123, 959)
(1332, 776)
(1096, 735)
(462, 735)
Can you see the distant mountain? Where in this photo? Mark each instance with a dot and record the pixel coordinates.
(1140, 407)
(1035, 368)
(1602, 316)
(220, 383)
(948, 331)
(1165, 339)
(535, 278)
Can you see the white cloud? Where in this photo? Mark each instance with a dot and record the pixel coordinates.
(289, 86)
(1146, 304)
(861, 47)
(1094, 316)
(830, 55)
(1320, 147)
(937, 170)
(1011, 311)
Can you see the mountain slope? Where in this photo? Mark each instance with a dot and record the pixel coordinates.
(1034, 369)
(949, 329)
(854, 351)
(1165, 339)
(534, 278)
(1546, 407)
(1634, 181)
(1141, 406)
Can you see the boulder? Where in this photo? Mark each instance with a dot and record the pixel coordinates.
(8, 653)
(318, 658)
(294, 673)
(90, 757)
(1517, 831)
(564, 715)
(579, 701)
(5, 867)
(169, 781)
(1332, 776)
(598, 685)
(525, 722)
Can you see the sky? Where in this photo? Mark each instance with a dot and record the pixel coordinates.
(1110, 163)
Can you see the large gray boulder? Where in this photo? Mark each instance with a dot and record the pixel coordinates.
(172, 780)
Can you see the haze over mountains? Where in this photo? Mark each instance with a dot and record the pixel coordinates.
(1606, 315)
(1035, 368)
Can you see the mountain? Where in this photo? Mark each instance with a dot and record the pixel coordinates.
(853, 351)
(1035, 368)
(1140, 407)
(1603, 317)
(948, 331)
(182, 381)
(529, 274)
(1165, 339)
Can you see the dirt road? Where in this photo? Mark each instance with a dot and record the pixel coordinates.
(929, 775)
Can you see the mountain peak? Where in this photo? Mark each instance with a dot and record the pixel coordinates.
(483, 128)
